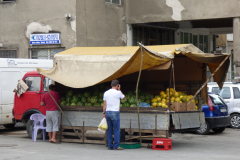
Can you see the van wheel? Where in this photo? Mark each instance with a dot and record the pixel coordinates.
(235, 121)
(29, 128)
(9, 125)
(218, 130)
(205, 129)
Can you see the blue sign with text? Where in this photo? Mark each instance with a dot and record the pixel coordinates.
(44, 39)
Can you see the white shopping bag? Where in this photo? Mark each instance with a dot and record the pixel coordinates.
(103, 125)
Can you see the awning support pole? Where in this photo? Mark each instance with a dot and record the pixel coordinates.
(208, 79)
(139, 128)
(60, 108)
(170, 83)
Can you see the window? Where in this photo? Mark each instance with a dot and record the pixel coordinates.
(200, 41)
(8, 53)
(152, 36)
(225, 93)
(236, 93)
(114, 1)
(215, 90)
(216, 100)
(44, 53)
(47, 82)
(33, 83)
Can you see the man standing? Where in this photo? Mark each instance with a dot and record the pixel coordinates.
(111, 112)
(52, 115)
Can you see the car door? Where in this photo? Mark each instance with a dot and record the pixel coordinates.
(236, 96)
(31, 98)
(227, 94)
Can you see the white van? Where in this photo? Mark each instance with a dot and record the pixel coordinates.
(12, 70)
(231, 95)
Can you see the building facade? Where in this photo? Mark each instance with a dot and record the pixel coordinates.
(89, 23)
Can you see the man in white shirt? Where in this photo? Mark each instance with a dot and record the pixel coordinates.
(111, 108)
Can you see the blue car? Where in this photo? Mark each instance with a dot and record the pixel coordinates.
(216, 115)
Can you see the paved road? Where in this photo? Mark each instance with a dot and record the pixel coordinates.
(15, 144)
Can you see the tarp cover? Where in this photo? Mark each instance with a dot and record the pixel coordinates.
(82, 67)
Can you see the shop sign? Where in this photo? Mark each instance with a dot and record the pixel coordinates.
(45, 39)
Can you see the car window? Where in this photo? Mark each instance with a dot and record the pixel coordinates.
(215, 90)
(236, 93)
(225, 93)
(33, 83)
(47, 82)
(216, 100)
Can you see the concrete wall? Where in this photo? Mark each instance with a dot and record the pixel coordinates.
(138, 11)
(20, 18)
(100, 23)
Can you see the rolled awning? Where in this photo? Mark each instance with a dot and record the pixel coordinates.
(82, 67)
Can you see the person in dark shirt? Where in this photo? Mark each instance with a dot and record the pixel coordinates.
(52, 115)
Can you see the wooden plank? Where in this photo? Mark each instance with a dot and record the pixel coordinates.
(72, 140)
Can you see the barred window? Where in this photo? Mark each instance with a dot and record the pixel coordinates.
(8, 53)
(114, 1)
(44, 53)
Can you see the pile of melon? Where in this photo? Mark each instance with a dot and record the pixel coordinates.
(163, 97)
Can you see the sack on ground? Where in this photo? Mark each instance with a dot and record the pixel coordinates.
(103, 125)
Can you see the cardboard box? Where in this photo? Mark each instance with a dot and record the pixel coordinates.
(190, 107)
(177, 106)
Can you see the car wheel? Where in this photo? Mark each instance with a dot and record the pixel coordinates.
(235, 121)
(29, 128)
(218, 130)
(205, 129)
(9, 125)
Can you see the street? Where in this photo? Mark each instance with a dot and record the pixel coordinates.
(15, 144)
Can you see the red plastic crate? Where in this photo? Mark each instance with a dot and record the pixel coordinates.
(162, 144)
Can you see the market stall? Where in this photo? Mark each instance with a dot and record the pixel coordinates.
(82, 74)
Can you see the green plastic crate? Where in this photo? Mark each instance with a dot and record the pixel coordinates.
(130, 145)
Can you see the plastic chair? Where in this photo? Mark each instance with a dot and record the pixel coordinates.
(38, 120)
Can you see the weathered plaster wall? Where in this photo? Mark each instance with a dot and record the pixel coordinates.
(142, 11)
(21, 18)
(100, 24)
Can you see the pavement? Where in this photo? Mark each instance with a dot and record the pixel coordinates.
(15, 144)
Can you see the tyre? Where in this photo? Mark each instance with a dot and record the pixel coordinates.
(218, 130)
(9, 125)
(235, 121)
(29, 128)
(205, 129)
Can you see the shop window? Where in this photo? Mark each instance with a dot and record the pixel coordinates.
(33, 83)
(8, 53)
(114, 1)
(44, 53)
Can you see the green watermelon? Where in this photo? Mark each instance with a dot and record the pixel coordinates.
(73, 104)
(133, 105)
(100, 95)
(96, 104)
(87, 94)
(142, 98)
(100, 100)
(148, 101)
(89, 99)
(80, 95)
(90, 104)
(80, 104)
(102, 104)
(68, 100)
(126, 105)
(94, 99)
(130, 93)
(63, 99)
(63, 103)
(74, 101)
(70, 93)
(83, 100)
(123, 101)
(86, 104)
(68, 104)
(121, 105)
(132, 100)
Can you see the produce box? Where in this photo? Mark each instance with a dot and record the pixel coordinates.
(177, 106)
(190, 107)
